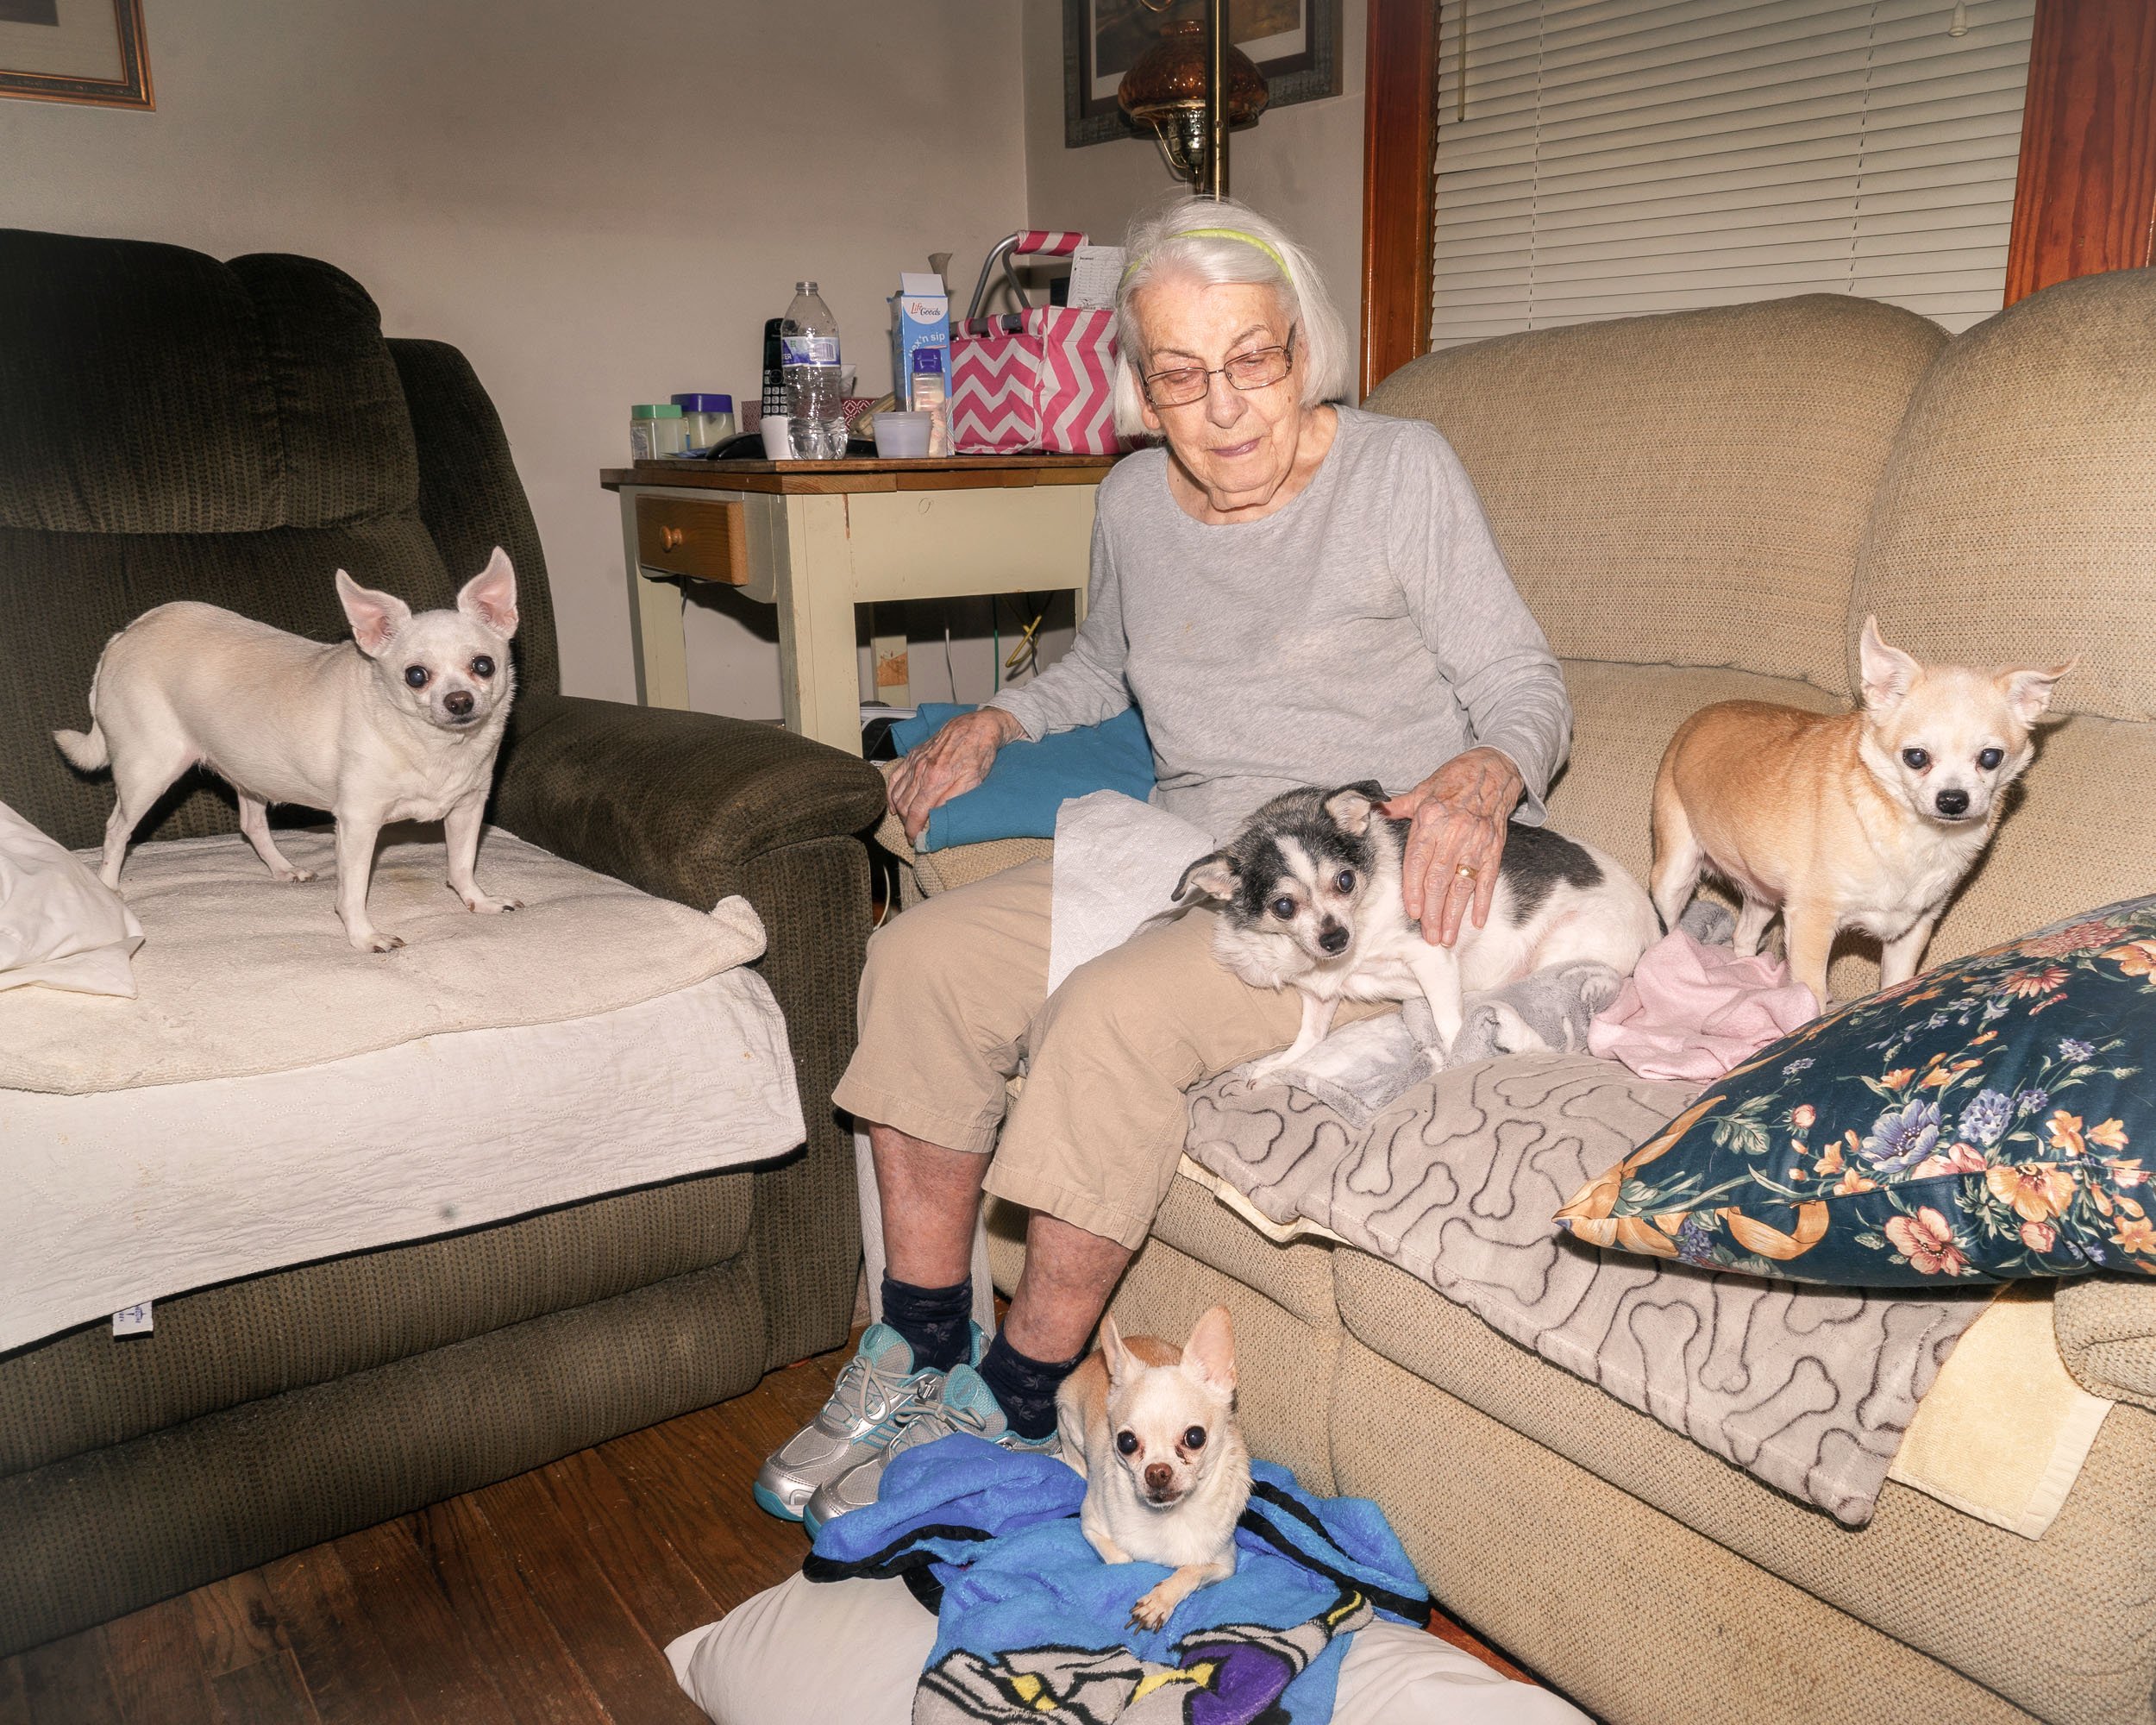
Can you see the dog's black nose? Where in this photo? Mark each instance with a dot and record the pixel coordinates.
(1951, 802)
(459, 703)
(1333, 938)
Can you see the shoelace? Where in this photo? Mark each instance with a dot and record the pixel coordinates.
(872, 1402)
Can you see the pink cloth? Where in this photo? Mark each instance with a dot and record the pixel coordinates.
(1690, 1012)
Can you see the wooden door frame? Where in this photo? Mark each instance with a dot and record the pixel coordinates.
(2084, 193)
(1400, 148)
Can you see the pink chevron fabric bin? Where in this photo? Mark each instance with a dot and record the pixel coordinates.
(1039, 379)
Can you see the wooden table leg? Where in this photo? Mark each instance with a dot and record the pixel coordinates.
(657, 642)
(819, 676)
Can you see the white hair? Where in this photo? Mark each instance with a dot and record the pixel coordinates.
(1215, 241)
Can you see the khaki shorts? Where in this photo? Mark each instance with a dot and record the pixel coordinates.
(956, 996)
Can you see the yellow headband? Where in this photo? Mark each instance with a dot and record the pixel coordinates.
(1131, 268)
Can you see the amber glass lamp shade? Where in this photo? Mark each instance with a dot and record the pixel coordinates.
(1166, 90)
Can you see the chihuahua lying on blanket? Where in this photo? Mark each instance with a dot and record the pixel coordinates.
(1152, 1428)
(1310, 890)
(406, 728)
(1865, 819)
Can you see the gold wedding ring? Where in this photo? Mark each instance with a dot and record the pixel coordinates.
(1465, 872)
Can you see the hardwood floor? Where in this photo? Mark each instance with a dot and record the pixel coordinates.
(545, 1600)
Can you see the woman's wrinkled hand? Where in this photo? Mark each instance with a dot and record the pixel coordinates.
(1460, 813)
(948, 764)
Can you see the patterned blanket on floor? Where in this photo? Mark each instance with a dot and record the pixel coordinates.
(1810, 1389)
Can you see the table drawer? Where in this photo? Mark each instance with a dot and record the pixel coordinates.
(705, 541)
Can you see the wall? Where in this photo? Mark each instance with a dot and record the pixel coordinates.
(1302, 165)
(599, 204)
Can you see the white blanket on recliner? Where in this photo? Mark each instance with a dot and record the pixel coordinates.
(240, 974)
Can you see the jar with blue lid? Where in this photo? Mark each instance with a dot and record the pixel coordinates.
(706, 420)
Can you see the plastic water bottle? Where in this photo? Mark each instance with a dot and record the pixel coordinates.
(808, 343)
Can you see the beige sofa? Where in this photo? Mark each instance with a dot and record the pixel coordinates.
(1700, 506)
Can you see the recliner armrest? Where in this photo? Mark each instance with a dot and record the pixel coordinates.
(2106, 1335)
(675, 803)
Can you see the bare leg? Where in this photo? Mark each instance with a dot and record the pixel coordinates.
(355, 865)
(1810, 932)
(1063, 1290)
(929, 1197)
(1751, 924)
(1898, 959)
(1159, 1605)
(254, 823)
(461, 829)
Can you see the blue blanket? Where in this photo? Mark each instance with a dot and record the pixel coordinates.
(1029, 1621)
(1030, 780)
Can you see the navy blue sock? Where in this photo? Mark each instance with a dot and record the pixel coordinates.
(1025, 1389)
(937, 1322)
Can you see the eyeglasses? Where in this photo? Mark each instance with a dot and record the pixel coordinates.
(1261, 369)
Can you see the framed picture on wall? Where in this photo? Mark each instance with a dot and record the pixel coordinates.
(1296, 44)
(91, 51)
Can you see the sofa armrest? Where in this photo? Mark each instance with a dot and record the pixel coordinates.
(679, 804)
(2106, 1327)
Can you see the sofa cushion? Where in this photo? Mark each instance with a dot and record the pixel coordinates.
(1687, 489)
(2107, 1336)
(1986, 1121)
(2058, 1625)
(2014, 522)
(1455, 1183)
(154, 390)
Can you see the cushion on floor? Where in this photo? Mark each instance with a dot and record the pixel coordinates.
(854, 1650)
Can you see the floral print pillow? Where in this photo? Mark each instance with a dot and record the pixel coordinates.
(1976, 1122)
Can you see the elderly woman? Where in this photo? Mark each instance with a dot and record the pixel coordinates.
(1291, 593)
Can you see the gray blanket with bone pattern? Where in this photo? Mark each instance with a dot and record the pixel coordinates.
(1455, 1180)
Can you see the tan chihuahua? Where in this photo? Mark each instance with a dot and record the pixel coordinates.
(1152, 1428)
(1865, 819)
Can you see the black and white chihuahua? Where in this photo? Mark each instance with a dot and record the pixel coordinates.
(1310, 889)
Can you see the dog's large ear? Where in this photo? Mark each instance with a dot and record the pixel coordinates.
(1209, 1355)
(1217, 877)
(1121, 1361)
(1349, 807)
(1888, 673)
(376, 617)
(490, 597)
(2027, 688)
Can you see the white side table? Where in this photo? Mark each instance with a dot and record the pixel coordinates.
(816, 539)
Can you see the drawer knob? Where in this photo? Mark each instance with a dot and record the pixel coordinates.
(669, 539)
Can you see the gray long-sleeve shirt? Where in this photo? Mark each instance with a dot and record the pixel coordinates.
(1367, 631)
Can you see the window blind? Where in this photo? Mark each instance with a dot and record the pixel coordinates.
(1603, 158)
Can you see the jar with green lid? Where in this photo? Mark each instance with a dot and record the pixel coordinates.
(655, 430)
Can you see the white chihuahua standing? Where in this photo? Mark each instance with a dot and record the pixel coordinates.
(1167, 1475)
(405, 729)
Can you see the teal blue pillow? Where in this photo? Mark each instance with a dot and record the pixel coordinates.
(1030, 780)
(1982, 1122)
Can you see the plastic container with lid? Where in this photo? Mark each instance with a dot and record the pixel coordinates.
(706, 420)
(655, 430)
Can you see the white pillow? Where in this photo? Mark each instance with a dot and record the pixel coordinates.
(804, 1653)
(59, 925)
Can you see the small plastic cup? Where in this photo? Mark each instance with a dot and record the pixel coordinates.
(777, 430)
(903, 436)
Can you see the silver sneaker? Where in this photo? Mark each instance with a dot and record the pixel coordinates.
(878, 1392)
(966, 1404)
